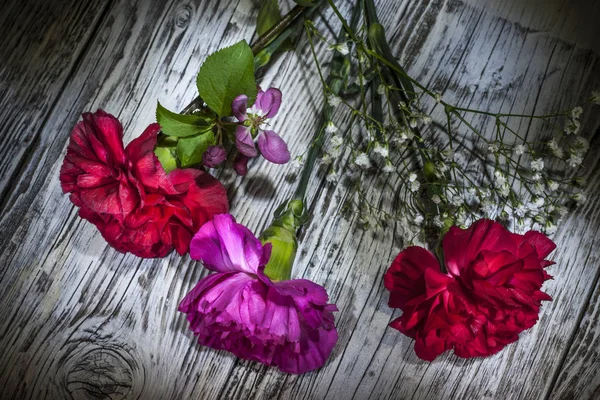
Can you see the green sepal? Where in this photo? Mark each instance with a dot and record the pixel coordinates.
(283, 252)
(289, 216)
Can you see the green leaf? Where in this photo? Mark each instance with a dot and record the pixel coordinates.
(225, 75)
(167, 158)
(268, 15)
(191, 149)
(179, 125)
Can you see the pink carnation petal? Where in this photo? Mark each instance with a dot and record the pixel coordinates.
(225, 246)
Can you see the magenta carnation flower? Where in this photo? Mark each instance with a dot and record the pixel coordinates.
(287, 324)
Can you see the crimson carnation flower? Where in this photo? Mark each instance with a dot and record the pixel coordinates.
(287, 324)
(126, 193)
(489, 295)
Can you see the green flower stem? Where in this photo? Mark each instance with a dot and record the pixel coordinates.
(292, 214)
(335, 83)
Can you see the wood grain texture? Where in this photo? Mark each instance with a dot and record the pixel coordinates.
(79, 320)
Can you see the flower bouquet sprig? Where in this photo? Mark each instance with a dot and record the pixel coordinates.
(467, 173)
(457, 187)
(447, 183)
(154, 196)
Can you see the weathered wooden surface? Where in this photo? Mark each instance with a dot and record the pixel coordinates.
(83, 321)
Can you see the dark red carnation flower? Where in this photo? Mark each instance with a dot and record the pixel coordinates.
(126, 193)
(489, 295)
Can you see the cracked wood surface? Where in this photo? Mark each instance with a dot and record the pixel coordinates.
(79, 320)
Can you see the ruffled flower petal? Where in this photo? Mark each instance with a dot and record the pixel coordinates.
(286, 324)
(126, 193)
(492, 291)
(226, 246)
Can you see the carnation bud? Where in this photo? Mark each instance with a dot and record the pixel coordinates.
(282, 236)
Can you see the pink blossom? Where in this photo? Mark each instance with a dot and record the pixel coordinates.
(255, 120)
(288, 324)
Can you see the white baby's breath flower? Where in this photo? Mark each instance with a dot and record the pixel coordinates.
(576, 112)
(335, 151)
(437, 221)
(537, 164)
(500, 178)
(426, 120)
(414, 186)
(336, 141)
(550, 228)
(388, 167)
(536, 177)
(381, 89)
(333, 100)
(488, 209)
(297, 164)
(595, 97)
(580, 145)
(575, 161)
(558, 153)
(436, 199)
(519, 150)
(520, 210)
(330, 127)
(413, 123)
(553, 186)
(412, 177)
(332, 176)
(556, 150)
(362, 160)
(572, 127)
(539, 202)
(493, 148)
(504, 190)
(580, 197)
(382, 150)
(341, 47)
(457, 200)
(438, 98)
(418, 220)
(326, 159)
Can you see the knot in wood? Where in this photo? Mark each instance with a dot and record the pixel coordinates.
(96, 370)
(183, 17)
